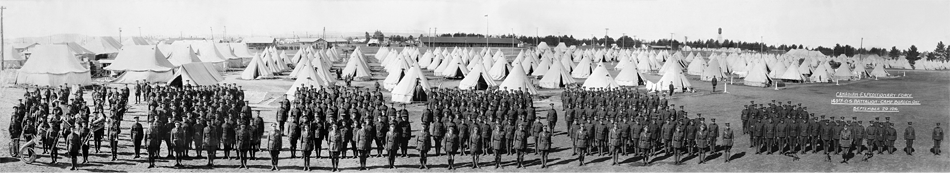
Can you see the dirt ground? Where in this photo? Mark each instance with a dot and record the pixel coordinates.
(931, 88)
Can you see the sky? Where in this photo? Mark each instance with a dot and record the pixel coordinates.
(882, 23)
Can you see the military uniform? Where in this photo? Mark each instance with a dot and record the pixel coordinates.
(306, 142)
(519, 144)
(274, 144)
(937, 137)
(450, 142)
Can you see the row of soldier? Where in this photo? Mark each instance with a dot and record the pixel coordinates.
(621, 121)
(48, 114)
(790, 129)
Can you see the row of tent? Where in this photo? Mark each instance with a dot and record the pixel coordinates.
(52, 65)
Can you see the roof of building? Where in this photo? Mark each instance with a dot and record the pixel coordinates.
(468, 40)
(259, 40)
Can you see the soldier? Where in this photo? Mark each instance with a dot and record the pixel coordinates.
(259, 133)
(667, 136)
(154, 142)
(74, 145)
(423, 143)
(307, 142)
(392, 145)
(937, 137)
(581, 144)
(545, 145)
(475, 145)
(176, 136)
(713, 135)
(137, 134)
(363, 141)
(243, 144)
(210, 142)
(573, 134)
(382, 128)
(227, 137)
(909, 137)
(497, 142)
(552, 116)
(614, 142)
(294, 130)
(645, 144)
(727, 142)
(450, 142)
(845, 141)
(274, 144)
(701, 138)
(520, 144)
(678, 136)
(405, 132)
(437, 132)
(536, 129)
(335, 140)
(891, 137)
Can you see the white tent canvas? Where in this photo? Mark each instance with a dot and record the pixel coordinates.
(629, 76)
(477, 79)
(141, 63)
(499, 69)
(712, 71)
(182, 54)
(757, 76)
(879, 71)
(675, 77)
(198, 73)
(518, 80)
(356, 67)
(52, 65)
(413, 87)
(556, 77)
(256, 70)
(600, 78)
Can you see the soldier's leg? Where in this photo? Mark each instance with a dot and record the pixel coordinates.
(580, 157)
(114, 145)
(497, 158)
(405, 147)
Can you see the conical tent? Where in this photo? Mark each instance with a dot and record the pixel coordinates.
(600, 78)
(792, 74)
(556, 77)
(141, 63)
(860, 71)
(843, 72)
(696, 67)
(393, 78)
(135, 41)
(356, 67)
(518, 80)
(455, 69)
(712, 71)
(52, 65)
(675, 77)
(629, 76)
(499, 69)
(198, 73)
(879, 71)
(302, 65)
(436, 61)
(820, 75)
(182, 54)
(477, 79)
(412, 88)
(584, 68)
(543, 67)
(256, 69)
(758, 75)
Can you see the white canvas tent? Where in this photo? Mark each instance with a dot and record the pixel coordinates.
(356, 67)
(52, 65)
(629, 76)
(411, 88)
(675, 77)
(477, 79)
(182, 54)
(499, 69)
(12, 58)
(556, 77)
(757, 76)
(198, 73)
(600, 78)
(256, 70)
(102, 45)
(144, 63)
(518, 80)
(879, 71)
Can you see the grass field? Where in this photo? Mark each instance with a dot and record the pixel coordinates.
(931, 88)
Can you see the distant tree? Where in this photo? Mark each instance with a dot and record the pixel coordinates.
(379, 36)
(801, 46)
(912, 54)
(941, 51)
(410, 38)
(367, 37)
(894, 53)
